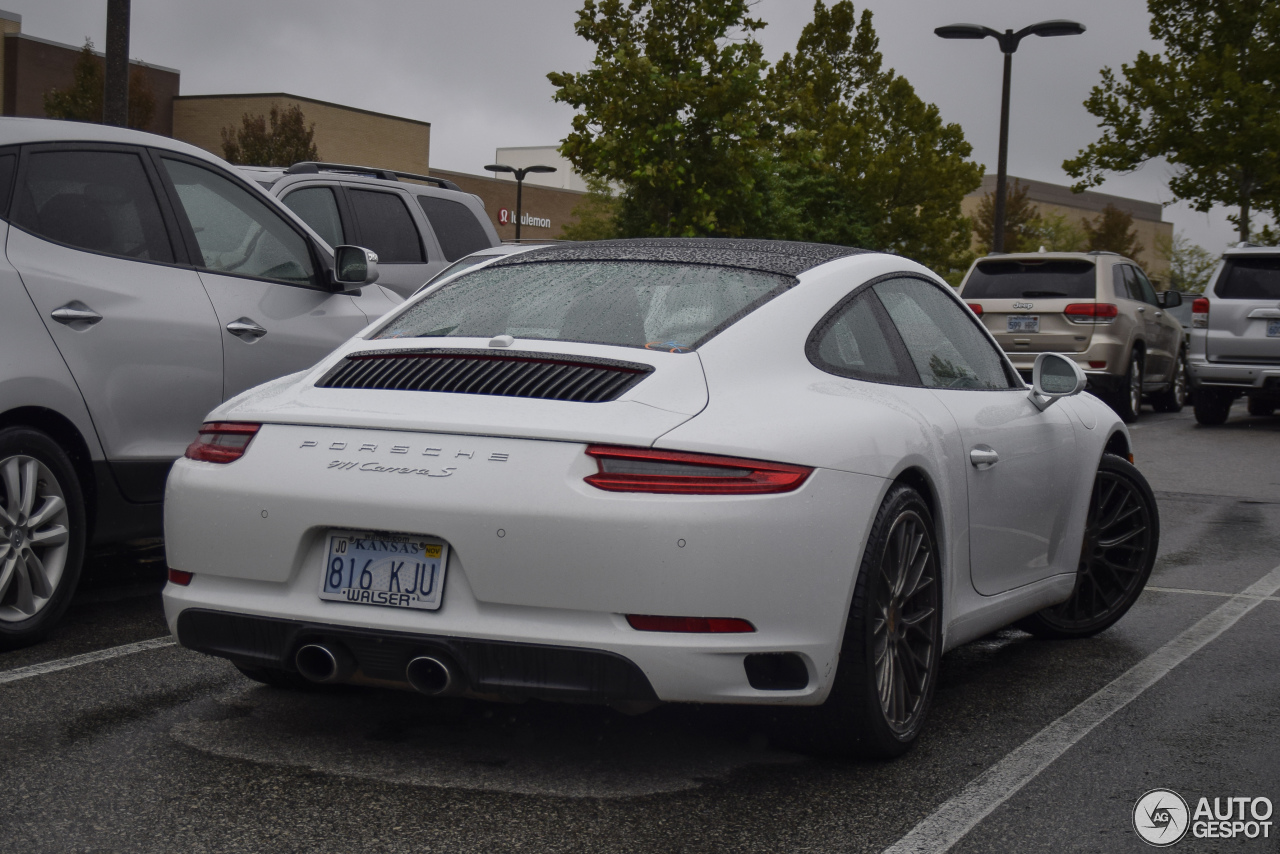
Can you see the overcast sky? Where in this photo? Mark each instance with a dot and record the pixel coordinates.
(476, 69)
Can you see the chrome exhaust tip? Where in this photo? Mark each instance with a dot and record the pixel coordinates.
(429, 675)
(323, 663)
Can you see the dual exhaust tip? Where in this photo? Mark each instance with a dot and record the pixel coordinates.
(330, 663)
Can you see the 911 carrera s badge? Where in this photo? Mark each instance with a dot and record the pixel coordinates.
(347, 465)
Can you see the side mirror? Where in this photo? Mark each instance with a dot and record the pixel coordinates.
(1170, 299)
(354, 267)
(1055, 376)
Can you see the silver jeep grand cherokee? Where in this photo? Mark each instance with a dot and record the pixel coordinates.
(142, 282)
(1235, 335)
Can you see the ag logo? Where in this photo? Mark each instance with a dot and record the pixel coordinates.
(1160, 817)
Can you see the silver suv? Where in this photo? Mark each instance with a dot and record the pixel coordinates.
(1235, 335)
(142, 282)
(1099, 308)
(417, 226)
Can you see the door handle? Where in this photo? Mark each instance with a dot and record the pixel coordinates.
(75, 312)
(983, 457)
(246, 329)
(1142, 309)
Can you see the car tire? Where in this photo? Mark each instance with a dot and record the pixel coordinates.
(1122, 534)
(1127, 400)
(42, 535)
(1173, 398)
(1259, 406)
(1213, 405)
(892, 643)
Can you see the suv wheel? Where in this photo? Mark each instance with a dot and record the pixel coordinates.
(1213, 405)
(1128, 398)
(1261, 406)
(42, 535)
(1174, 397)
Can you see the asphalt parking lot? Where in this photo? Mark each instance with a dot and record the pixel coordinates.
(165, 750)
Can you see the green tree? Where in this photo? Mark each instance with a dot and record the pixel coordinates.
(595, 217)
(283, 139)
(1112, 231)
(1057, 233)
(1209, 104)
(1022, 222)
(870, 162)
(671, 111)
(1190, 265)
(82, 100)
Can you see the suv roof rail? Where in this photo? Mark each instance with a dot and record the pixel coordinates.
(1102, 252)
(310, 167)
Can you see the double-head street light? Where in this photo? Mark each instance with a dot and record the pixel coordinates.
(1008, 41)
(519, 173)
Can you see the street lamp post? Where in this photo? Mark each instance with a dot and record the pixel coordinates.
(519, 173)
(1008, 41)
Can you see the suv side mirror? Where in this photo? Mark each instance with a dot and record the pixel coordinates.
(354, 267)
(1170, 299)
(1054, 376)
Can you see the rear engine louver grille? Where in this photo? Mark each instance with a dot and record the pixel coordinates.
(539, 375)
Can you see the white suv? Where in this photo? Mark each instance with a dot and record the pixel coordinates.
(142, 282)
(1235, 335)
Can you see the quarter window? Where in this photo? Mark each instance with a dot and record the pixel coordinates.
(858, 341)
(317, 207)
(945, 346)
(386, 226)
(236, 232)
(95, 200)
(456, 227)
(1122, 277)
(1148, 293)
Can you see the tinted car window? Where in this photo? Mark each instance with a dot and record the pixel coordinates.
(632, 304)
(1144, 287)
(1015, 279)
(95, 200)
(857, 341)
(455, 226)
(1249, 278)
(1123, 282)
(318, 208)
(7, 164)
(944, 344)
(386, 226)
(236, 232)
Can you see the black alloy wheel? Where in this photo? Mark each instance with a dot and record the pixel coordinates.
(1213, 405)
(1173, 398)
(892, 642)
(1121, 536)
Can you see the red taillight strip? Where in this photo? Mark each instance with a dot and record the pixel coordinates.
(221, 442)
(976, 308)
(693, 625)
(748, 477)
(180, 577)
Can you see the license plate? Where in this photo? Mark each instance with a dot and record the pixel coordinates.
(1273, 328)
(377, 568)
(1024, 323)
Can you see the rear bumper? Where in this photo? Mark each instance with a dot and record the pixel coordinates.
(1236, 376)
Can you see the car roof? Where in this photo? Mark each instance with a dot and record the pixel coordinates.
(15, 131)
(1093, 256)
(1247, 249)
(785, 257)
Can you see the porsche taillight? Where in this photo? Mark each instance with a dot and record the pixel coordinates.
(222, 442)
(1200, 313)
(680, 473)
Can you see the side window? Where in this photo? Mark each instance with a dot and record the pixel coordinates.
(237, 232)
(318, 208)
(1122, 278)
(8, 162)
(95, 200)
(945, 346)
(1144, 285)
(455, 226)
(386, 226)
(857, 340)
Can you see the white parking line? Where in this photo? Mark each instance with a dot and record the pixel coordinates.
(1207, 593)
(949, 823)
(87, 658)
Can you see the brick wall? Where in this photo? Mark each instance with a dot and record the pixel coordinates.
(343, 134)
(545, 203)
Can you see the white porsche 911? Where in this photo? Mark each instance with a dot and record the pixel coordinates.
(630, 472)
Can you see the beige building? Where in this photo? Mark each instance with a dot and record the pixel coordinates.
(545, 210)
(342, 134)
(1148, 217)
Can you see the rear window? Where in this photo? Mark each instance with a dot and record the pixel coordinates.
(1011, 279)
(656, 306)
(456, 227)
(1250, 278)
